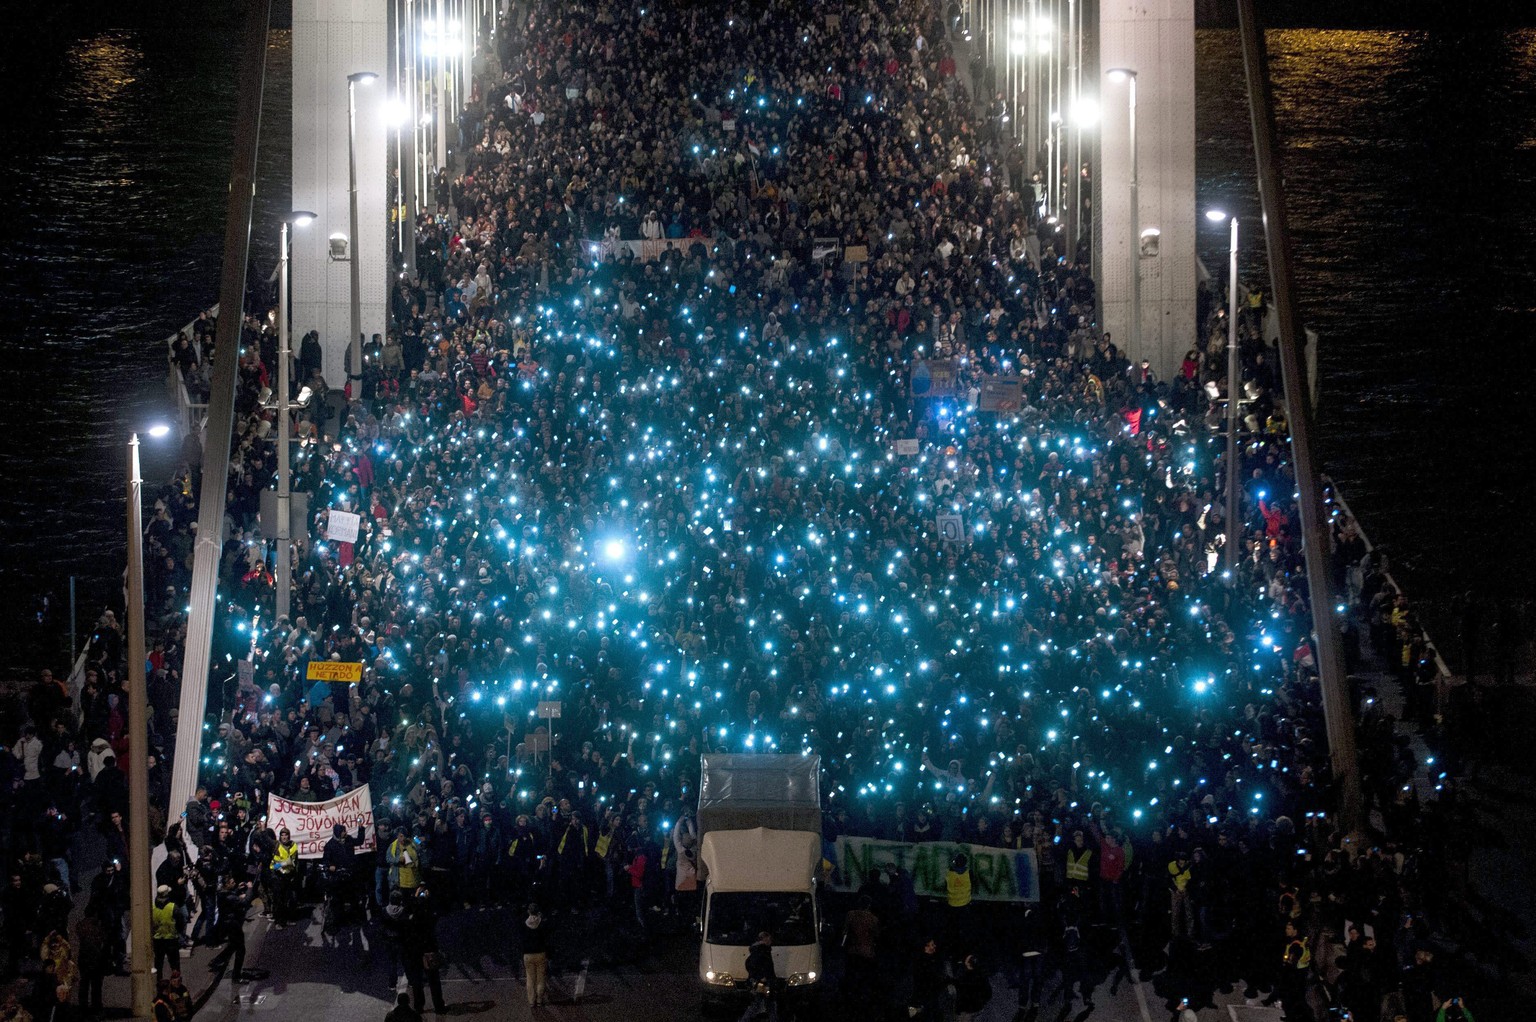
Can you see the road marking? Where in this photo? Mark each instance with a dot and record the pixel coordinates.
(1130, 963)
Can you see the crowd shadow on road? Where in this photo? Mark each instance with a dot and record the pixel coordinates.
(469, 1007)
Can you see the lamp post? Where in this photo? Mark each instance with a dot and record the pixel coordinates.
(298, 218)
(140, 896)
(1085, 115)
(1128, 76)
(354, 250)
(1234, 388)
(440, 88)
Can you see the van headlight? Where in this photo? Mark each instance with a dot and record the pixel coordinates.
(800, 979)
(719, 979)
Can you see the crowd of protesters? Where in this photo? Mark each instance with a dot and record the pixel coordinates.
(697, 497)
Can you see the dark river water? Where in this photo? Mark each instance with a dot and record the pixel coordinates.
(1411, 163)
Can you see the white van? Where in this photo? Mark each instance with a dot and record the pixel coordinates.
(757, 880)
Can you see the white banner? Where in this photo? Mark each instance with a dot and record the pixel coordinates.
(644, 249)
(342, 526)
(310, 823)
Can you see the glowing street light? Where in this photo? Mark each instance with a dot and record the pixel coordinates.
(138, 865)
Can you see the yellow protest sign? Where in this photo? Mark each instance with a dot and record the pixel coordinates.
(333, 670)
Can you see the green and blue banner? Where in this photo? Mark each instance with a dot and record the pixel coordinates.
(997, 874)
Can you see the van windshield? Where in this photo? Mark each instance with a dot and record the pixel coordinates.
(737, 917)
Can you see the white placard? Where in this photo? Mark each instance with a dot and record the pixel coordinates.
(342, 526)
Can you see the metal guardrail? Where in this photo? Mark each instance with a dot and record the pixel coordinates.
(1337, 496)
(189, 414)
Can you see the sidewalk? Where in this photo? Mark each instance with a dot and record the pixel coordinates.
(89, 851)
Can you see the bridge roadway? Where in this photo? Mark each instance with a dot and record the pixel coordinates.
(300, 973)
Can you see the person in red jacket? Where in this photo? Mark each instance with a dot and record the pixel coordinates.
(636, 870)
(1275, 520)
(1113, 859)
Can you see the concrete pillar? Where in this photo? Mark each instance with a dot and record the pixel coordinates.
(1156, 39)
(332, 39)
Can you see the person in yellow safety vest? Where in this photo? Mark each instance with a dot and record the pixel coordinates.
(1182, 914)
(164, 932)
(957, 882)
(1079, 860)
(957, 893)
(572, 854)
(404, 863)
(524, 855)
(285, 877)
(1291, 983)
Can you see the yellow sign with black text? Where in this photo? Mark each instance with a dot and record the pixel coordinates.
(332, 670)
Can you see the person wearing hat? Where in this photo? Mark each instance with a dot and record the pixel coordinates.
(957, 895)
(165, 931)
(338, 865)
(53, 910)
(285, 877)
(404, 862)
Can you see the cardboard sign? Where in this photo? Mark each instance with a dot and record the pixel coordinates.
(934, 378)
(334, 670)
(906, 447)
(342, 526)
(310, 823)
(1001, 394)
(951, 528)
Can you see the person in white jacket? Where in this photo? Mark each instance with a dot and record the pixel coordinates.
(685, 845)
(29, 751)
(98, 755)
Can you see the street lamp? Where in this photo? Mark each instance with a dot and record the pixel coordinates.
(1085, 116)
(140, 896)
(405, 185)
(298, 218)
(1234, 385)
(355, 370)
(1128, 76)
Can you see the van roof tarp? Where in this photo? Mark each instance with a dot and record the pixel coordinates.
(760, 859)
(739, 792)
